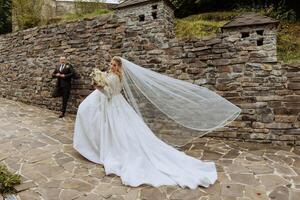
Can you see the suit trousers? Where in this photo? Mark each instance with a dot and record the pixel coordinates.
(65, 97)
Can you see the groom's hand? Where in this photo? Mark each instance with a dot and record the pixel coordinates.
(57, 74)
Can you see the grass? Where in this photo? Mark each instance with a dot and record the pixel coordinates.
(288, 45)
(78, 16)
(8, 180)
(208, 24)
(197, 28)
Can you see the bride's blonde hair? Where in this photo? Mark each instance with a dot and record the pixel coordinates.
(118, 60)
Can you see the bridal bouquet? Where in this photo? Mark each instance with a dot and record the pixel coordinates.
(98, 78)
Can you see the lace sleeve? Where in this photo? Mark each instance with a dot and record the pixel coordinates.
(108, 89)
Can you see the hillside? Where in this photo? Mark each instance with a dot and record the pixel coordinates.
(207, 24)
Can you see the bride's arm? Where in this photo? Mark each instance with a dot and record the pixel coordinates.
(106, 90)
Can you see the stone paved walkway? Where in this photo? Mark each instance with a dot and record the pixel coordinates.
(38, 145)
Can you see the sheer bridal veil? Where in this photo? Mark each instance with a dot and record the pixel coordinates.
(189, 105)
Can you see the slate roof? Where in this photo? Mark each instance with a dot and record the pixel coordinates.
(248, 19)
(128, 3)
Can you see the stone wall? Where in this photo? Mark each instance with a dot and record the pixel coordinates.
(236, 69)
(268, 92)
(27, 58)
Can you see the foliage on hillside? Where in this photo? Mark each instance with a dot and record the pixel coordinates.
(205, 24)
(289, 42)
(78, 16)
(190, 7)
(27, 13)
(5, 16)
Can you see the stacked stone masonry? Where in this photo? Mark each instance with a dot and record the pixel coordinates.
(246, 74)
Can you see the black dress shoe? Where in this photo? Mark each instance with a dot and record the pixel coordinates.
(61, 115)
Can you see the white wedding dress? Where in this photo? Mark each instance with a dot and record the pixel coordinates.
(110, 132)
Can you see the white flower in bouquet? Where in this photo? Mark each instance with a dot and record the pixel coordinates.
(98, 78)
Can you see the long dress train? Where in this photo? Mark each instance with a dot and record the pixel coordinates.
(108, 131)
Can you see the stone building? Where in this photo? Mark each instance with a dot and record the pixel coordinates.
(240, 64)
(256, 32)
(152, 15)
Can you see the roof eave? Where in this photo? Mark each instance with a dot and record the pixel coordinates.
(258, 24)
(144, 2)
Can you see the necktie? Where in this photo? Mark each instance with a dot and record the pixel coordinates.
(62, 67)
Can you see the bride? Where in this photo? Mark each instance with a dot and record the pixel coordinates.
(110, 130)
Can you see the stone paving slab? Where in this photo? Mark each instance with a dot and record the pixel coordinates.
(38, 145)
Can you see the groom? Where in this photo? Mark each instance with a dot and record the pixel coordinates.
(64, 73)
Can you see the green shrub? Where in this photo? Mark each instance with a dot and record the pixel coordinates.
(8, 180)
(288, 42)
(281, 9)
(78, 16)
(82, 7)
(27, 13)
(280, 13)
(205, 24)
(214, 16)
(5, 16)
(197, 28)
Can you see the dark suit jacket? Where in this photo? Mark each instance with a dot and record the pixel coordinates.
(64, 82)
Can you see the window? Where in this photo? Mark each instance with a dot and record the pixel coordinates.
(260, 42)
(141, 18)
(260, 32)
(245, 34)
(154, 15)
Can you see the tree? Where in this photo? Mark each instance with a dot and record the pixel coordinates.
(84, 7)
(189, 7)
(5, 16)
(27, 13)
